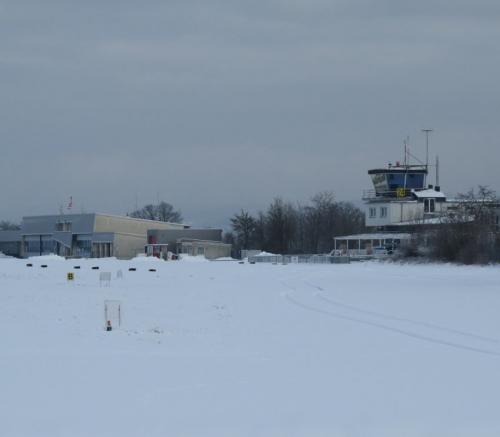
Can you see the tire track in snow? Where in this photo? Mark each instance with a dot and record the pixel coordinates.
(399, 319)
(404, 332)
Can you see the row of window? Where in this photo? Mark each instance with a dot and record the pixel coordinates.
(44, 245)
(37, 246)
(373, 212)
(190, 250)
(429, 206)
(64, 226)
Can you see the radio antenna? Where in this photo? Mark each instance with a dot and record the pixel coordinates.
(427, 132)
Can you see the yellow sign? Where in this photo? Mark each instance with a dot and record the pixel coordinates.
(71, 276)
(400, 192)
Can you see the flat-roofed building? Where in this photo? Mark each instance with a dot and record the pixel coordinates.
(87, 235)
(195, 242)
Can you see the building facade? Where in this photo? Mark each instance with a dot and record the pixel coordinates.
(85, 235)
(194, 242)
(413, 207)
(400, 204)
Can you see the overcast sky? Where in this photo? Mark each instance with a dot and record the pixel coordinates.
(218, 105)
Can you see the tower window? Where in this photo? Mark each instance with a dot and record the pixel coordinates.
(429, 205)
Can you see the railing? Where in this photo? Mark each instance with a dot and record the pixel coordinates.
(299, 259)
(400, 193)
(357, 254)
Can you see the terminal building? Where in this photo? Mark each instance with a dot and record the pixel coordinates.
(81, 236)
(401, 203)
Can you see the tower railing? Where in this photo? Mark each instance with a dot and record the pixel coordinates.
(399, 193)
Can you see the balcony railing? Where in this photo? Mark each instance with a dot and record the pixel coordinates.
(399, 193)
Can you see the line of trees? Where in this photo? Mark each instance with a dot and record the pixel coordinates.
(469, 233)
(294, 228)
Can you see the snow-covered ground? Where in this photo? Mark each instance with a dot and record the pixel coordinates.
(225, 349)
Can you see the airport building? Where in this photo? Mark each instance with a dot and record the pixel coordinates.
(400, 204)
(194, 242)
(81, 236)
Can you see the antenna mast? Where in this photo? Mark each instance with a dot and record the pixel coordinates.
(405, 160)
(437, 170)
(427, 131)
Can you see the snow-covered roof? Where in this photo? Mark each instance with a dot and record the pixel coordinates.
(429, 193)
(376, 236)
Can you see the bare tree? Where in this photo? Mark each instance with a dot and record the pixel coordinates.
(285, 228)
(469, 231)
(243, 225)
(281, 225)
(163, 212)
(166, 213)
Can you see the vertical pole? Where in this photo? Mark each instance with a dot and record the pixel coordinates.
(427, 131)
(437, 170)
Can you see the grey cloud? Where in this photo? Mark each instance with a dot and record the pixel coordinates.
(220, 105)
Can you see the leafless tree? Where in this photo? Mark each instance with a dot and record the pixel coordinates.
(469, 231)
(163, 212)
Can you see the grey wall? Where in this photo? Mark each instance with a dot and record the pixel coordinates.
(171, 236)
(212, 250)
(46, 224)
(10, 243)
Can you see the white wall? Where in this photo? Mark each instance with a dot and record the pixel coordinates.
(397, 212)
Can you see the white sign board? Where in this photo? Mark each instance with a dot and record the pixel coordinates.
(112, 313)
(105, 278)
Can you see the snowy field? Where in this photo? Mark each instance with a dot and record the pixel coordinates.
(224, 349)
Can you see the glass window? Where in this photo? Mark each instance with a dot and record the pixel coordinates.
(373, 212)
(83, 247)
(201, 251)
(63, 226)
(429, 205)
(383, 211)
(33, 246)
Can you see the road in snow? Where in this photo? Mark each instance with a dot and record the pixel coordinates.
(224, 349)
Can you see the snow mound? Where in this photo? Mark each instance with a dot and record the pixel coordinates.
(263, 253)
(191, 258)
(146, 259)
(51, 257)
